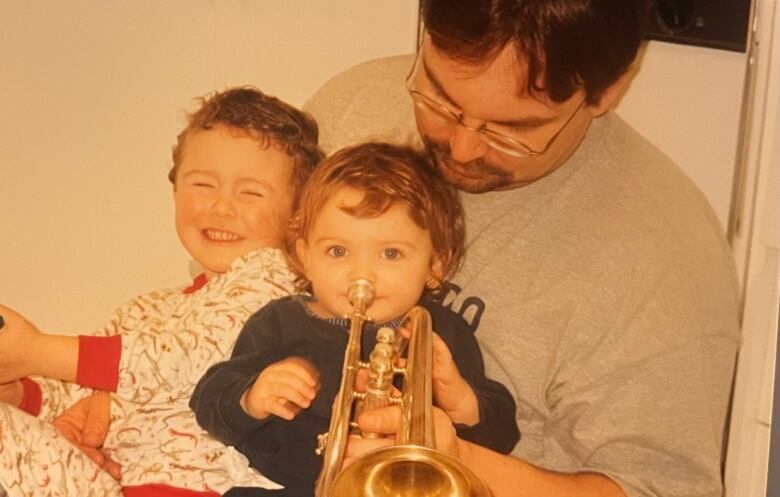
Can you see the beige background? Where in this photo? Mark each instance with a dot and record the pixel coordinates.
(94, 92)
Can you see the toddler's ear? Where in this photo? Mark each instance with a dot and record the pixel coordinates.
(302, 251)
(435, 275)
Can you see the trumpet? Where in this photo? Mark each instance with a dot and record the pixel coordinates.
(412, 467)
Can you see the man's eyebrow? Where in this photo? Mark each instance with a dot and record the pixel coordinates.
(525, 122)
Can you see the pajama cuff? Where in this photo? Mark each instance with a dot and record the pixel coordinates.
(161, 490)
(31, 397)
(98, 364)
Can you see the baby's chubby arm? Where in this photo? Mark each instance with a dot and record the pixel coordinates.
(25, 350)
(282, 389)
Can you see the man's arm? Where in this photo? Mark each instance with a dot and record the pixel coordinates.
(506, 476)
(509, 476)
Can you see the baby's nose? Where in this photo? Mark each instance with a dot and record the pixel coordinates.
(362, 268)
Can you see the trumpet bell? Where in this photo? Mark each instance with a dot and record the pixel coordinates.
(407, 471)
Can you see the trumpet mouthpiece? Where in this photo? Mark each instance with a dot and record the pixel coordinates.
(360, 291)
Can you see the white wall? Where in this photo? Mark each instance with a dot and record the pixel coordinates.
(687, 101)
(93, 93)
(757, 243)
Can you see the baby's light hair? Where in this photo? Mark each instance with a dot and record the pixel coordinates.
(271, 121)
(386, 175)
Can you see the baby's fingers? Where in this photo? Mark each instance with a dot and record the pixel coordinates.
(292, 395)
(279, 381)
(282, 408)
(299, 367)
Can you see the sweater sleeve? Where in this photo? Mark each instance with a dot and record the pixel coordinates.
(216, 399)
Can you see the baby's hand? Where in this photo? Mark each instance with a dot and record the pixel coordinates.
(450, 391)
(283, 389)
(18, 346)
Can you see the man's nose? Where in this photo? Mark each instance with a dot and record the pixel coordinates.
(466, 144)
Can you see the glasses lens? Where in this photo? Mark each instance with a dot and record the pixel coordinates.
(505, 144)
(432, 108)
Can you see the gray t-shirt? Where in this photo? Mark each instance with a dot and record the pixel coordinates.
(605, 295)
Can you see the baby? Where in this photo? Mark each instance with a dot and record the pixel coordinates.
(376, 212)
(237, 169)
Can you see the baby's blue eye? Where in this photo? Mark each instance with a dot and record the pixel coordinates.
(337, 251)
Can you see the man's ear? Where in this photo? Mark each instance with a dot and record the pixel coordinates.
(613, 93)
(302, 251)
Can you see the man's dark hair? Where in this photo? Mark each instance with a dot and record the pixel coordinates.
(571, 44)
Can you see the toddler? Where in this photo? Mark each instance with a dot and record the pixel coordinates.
(376, 212)
(237, 168)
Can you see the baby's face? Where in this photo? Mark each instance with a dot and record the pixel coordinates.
(390, 251)
(232, 196)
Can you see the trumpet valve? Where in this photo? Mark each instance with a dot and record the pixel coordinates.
(322, 443)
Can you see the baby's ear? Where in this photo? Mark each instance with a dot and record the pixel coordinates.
(435, 275)
(302, 251)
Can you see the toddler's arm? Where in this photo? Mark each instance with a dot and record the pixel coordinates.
(217, 399)
(25, 351)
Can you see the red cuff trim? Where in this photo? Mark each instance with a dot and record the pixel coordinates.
(159, 490)
(197, 284)
(32, 397)
(98, 365)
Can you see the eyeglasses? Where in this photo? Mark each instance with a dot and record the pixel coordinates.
(495, 139)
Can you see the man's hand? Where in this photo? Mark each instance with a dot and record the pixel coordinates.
(451, 391)
(85, 424)
(282, 389)
(18, 346)
(387, 421)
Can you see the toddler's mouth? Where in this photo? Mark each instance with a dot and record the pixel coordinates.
(220, 236)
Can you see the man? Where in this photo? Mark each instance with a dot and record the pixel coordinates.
(603, 288)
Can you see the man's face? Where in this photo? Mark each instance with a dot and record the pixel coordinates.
(493, 96)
